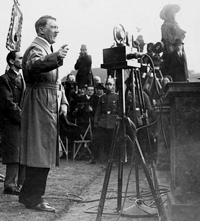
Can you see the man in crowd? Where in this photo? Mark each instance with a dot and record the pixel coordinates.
(177, 63)
(11, 93)
(99, 90)
(97, 80)
(105, 119)
(71, 94)
(44, 100)
(84, 109)
(95, 137)
(70, 87)
(83, 65)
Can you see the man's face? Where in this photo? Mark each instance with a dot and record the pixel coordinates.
(90, 91)
(18, 60)
(83, 51)
(179, 47)
(50, 31)
(97, 80)
(99, 91)
(109, 86)
(82, 91)
(71, 78)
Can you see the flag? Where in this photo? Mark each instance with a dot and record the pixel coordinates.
(14, 34)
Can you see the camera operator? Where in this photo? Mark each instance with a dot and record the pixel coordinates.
(83, 65)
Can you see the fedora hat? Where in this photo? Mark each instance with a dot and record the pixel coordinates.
(178, 41)
(100, 86)
(83, 47)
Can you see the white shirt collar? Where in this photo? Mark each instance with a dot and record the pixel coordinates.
(88, 97)
(17, 73)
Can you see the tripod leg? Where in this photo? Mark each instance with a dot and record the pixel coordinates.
(120, 175)
(107, 175)
(153, 191)
(137, 176)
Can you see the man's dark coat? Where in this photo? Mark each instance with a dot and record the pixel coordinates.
(11, 91)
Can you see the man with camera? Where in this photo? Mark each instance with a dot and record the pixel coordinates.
(83, 65)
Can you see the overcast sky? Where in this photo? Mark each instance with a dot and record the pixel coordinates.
(91, 22)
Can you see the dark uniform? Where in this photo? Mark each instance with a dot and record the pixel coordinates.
(105, 119)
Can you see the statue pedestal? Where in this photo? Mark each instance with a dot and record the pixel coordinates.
(184, 198)
(163, 138)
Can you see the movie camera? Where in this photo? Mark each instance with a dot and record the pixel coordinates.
(126, 54)
(121, 55)
(154, 51)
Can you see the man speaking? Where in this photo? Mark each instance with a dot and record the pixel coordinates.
(44, 100)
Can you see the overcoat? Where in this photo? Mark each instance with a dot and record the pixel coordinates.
(84, 74)
(11, 91)
(41, 104)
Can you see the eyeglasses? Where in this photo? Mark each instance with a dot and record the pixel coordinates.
(109, 84)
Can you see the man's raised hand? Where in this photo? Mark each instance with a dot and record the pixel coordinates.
(62, 52)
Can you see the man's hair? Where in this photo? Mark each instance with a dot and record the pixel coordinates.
(42, 21)
(90, 85)
(11, 55)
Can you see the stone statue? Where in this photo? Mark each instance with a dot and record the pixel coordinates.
(170, 29)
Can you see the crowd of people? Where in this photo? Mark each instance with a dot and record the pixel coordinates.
(32, 102)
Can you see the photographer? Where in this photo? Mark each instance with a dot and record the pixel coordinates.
(83, 65)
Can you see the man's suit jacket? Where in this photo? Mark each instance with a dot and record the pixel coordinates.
(11, 93)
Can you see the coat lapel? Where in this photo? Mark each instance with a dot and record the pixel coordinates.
(12, 76)
(43, 44)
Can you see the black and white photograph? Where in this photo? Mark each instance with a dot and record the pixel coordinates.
(100, 110)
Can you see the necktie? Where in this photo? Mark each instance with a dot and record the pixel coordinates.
(51, 47)
(19, 80)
